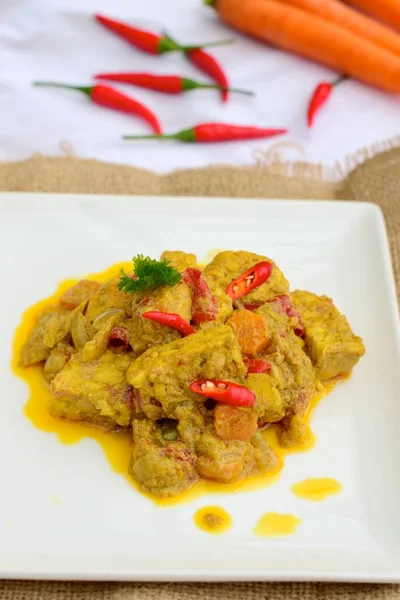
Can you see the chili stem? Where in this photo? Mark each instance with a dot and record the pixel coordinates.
(210, 86)
(150, 137)
(208, 45)
(191, 47)
(85, 89)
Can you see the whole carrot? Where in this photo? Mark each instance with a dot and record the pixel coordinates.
(169, 84)
(353, 20)
(146, 40)
(213, 132)
(111, 98)
(313, 37)
(320, 96)
(385, 10)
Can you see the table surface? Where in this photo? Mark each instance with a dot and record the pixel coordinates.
(61, 41)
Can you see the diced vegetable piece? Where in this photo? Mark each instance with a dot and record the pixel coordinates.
(330, 342)
(108, 296)
(294, 431)
(34, 350)
(291, 368)
(269, 406)
(99, 321)
(179, 260)
(250, 330)
(97, 346)
(51, 329)
(233, 423)
(218, 459)
(284, 304)
(164, 373)
(78, 293)
(56, 329)
(265, 456)
(162, 468)
(57, 360)
(95, 392)
(78, 330)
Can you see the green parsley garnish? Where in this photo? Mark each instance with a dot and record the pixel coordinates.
(149, 275)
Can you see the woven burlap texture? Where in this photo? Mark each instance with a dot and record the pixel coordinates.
(376, 180)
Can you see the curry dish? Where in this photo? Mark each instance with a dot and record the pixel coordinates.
(195, 362)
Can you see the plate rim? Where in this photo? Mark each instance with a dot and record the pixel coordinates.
(187, 574)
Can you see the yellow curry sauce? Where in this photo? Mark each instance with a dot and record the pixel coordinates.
(276, 525)
(213, 519)
(117, 445)
(316, 490)
(330, 342)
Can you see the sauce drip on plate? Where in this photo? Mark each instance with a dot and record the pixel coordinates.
(276, 525)
(213, 519)
(316, 490)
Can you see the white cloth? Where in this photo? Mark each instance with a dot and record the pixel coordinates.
(59, 40)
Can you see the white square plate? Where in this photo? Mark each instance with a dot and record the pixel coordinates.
(104, 529)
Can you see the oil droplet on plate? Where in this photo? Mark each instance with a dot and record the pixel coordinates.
(275, 525)
(316, 490)
(213, 519)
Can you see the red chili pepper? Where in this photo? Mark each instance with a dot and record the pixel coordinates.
(287, 307)
(147, 41)
(250, 280)
(110, 98)
(119, 338)
(210, 66)
(319, 98)
(169, 84)
(170, 320)
(257, 365)
(204, 303)
(213, 132)
(224, 391)
(251, 307)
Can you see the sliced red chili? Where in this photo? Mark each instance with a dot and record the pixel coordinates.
(119, 338)
(284, 303)
(204, 303)
(251, 307)
(257, 365)
(250, 280)
(224, 391)
(172, 320)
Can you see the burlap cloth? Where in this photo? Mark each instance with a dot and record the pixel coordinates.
(375, 180)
